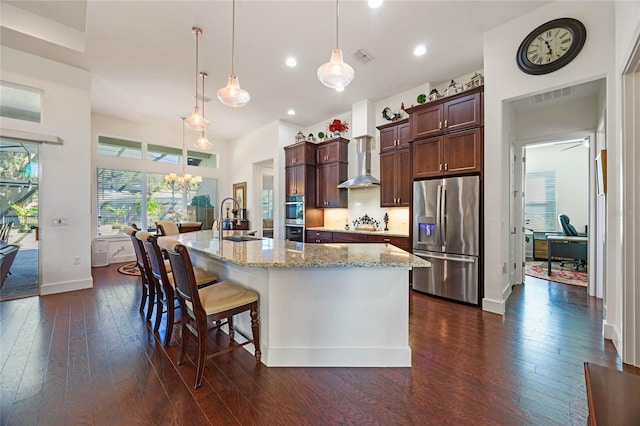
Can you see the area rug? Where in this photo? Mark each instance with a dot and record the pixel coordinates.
(129, 269)
(560, 274)
(23, 280)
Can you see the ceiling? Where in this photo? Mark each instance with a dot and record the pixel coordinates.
(141, 54)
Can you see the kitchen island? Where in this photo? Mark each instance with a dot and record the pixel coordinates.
(339, 305)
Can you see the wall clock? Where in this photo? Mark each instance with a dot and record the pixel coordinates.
(551, 46)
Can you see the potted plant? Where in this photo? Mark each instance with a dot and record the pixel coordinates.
(23, 213)
(337, 126)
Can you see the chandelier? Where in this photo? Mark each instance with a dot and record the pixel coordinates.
(185, 182)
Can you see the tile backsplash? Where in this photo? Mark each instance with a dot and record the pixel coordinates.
(367, 201)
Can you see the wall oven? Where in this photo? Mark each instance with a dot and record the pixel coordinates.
(294, 210)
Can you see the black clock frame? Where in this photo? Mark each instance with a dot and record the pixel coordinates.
(579, 33)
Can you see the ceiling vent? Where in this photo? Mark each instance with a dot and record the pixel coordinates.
(549, 96)
(362, 56)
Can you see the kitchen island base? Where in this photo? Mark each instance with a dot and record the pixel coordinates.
(326, 316)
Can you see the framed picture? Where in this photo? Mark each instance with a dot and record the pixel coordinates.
(601, 166)
(240, 194)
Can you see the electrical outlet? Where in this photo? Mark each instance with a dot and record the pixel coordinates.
(76, 260)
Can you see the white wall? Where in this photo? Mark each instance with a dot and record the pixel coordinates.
(505, 82)
(556, 121)
(572, 179)
(65, 173)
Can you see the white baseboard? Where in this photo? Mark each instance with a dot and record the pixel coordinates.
(55, 288)
(493, 306)
(123, 258)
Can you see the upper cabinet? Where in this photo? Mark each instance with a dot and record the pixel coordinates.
(395, 164)
(331, 170)
(300, 172)
(300, 153)
(460, 112)
(394, 135)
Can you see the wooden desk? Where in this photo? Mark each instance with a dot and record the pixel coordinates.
(565, 246)
(613, 396)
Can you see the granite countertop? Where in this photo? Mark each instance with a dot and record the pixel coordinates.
(271, 253)
(359, 231)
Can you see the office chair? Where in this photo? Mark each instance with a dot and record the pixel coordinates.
(570, 231)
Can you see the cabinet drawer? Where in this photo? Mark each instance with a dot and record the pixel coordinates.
(349, 237)
(400, 242)
(319, 237)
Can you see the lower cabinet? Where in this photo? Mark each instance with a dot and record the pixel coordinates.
(353, 237)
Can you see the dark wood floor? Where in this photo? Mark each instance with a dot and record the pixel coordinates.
(87, 357)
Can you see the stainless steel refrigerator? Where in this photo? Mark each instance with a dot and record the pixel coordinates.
(446, 232)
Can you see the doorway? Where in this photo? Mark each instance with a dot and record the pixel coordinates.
(561, 128)
(19, 202)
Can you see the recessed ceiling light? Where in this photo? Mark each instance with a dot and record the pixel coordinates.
(291, 61)
(420, 50)
(374, 4)
(340, 89)
(291, 112)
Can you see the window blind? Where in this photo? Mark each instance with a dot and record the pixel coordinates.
(540, 201)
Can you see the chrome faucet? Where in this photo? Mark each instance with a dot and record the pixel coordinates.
(220, 221)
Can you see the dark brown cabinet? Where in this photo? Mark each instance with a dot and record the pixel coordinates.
(300, 153)
(354, 237)
(330, 172)
(395, 178)
(459, 112)
(332, 151)
(450, 154)
(394, 135)
(395, 164)
(319, 237)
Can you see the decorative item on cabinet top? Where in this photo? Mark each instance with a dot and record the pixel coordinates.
(434, 95)
(300, 137)
(453, 88)
(422, 98)
(387, 114)
(311, 138)
(337, 126)
(476, 80)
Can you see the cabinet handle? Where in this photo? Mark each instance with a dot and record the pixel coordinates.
(446, 166)
(440, 169)
(445, 123)
(386, 240)
(439, 124)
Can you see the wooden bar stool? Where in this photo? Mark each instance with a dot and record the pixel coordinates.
(214, 303)
(163, 281)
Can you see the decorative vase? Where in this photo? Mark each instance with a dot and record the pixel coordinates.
(337, 134)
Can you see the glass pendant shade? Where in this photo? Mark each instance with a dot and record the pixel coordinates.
(335, 74)
(203, 142)
(197, 121)
(232, 95)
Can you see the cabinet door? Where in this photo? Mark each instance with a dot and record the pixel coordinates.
(462, 113)
(294, 180)
(427, 122)
(404, 179)
(327, 193)
(300, 153)
(462, 152)
(388, 138)
(387, 179)
(427, 155)
(403, 134)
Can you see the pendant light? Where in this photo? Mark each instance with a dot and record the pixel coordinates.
(232, 95)
(197, 120)
(335, 73)
(203, 142)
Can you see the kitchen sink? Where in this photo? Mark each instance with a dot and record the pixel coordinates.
(240, 238)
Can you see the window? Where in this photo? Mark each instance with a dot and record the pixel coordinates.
(113, 147)
(202, 159)
(164, 154)
(540, 201)
(120, 195)
(20, 102)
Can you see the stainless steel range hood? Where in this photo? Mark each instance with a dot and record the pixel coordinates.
(363, 178)
(362, 115)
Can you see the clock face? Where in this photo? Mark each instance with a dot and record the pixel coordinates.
(551, 46)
